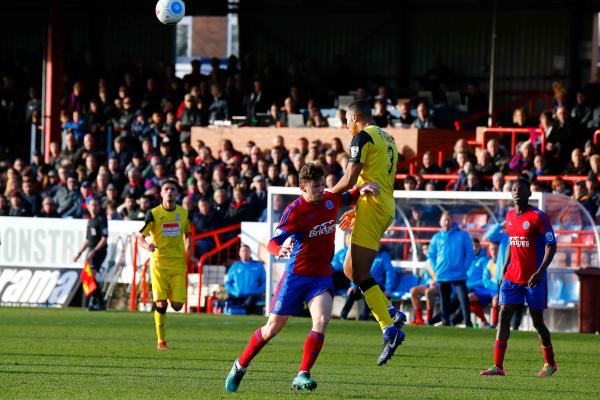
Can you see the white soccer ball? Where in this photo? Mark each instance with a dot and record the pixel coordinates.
(170, 12)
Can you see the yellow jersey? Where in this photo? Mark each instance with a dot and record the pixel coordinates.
(376, 150)
(166, 229)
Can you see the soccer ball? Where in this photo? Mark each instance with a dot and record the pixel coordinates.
(170, 12)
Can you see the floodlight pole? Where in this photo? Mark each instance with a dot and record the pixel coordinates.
(492, 65)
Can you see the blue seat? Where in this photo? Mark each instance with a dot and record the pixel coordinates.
(555, 289)
(407, 282)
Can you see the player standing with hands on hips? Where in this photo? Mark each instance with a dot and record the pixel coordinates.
(169, 228)
(373, 158)
(532, 245)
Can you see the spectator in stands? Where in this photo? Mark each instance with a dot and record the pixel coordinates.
(384, 274)
(31, 198)
(245, 282)
(277, 209)
(428, 288)
(257, 101)
(134, 186)
(498, 155)
(475, 101)
(450, 254)
(205, 220)
(48, 208)
(559, 187)
(580, 193)
(485, 166)
(18, 207)
(581, 113)
(564, 135)
(474, 183)
(128, 210)
(423, 118)
(316, 119)
(406, 119)
(381, 116)
(218, 109)
(523, 160)
(68, 200)
(577, 165)
(539, 165)
(595, 164)
(189, 117)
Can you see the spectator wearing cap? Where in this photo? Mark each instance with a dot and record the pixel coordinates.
(48, 208)
(31, 199)
(111, 196)
(191, 191)
(53, 184)
(205, 220)
(68, 200)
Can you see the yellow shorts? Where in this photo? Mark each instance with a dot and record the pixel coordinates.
(369, 226)
(169, 284)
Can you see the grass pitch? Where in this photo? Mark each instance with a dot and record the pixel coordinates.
(75, 354)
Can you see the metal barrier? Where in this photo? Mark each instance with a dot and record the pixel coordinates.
(532, 132)
(453, 177)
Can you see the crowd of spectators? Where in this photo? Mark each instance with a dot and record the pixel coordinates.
(151, 112)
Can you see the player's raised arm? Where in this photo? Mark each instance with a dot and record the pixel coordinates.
(348, 181)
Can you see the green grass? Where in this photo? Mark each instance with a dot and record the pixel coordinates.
(75, 354)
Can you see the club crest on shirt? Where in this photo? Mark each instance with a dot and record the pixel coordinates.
(329, 204)
(177, 217)
(526, 225)
(353, 151)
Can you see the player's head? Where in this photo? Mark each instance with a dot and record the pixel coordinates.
(446, 221)
(359, 113)
(169, 190)
(493, 247)
(521, 192)
(312, 182)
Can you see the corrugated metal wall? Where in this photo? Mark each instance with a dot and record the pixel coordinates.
(529, 41)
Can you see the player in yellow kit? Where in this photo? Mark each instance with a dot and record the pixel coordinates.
(169, 228)
(373, 158)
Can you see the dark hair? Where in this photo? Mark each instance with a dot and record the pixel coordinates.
(361, 108)
(311, 172)
(170, 181)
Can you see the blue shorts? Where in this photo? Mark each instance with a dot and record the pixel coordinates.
(514, 293)
(484, 296)
(296, 290)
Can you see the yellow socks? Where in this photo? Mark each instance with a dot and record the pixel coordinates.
(378, 304)
(159, 321)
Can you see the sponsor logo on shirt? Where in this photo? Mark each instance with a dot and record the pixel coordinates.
(322, 229)
(353, 151)
(519, 241)
(170, 229)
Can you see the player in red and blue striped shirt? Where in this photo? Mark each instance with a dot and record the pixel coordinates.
(310, 223)
(532, 245)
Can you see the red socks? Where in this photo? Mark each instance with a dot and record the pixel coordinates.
(499, 351)
(495, 315)
(254, 346)
(429, 314)
(312, 347)
(548, 355)
(418, 314)
(476, 308)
